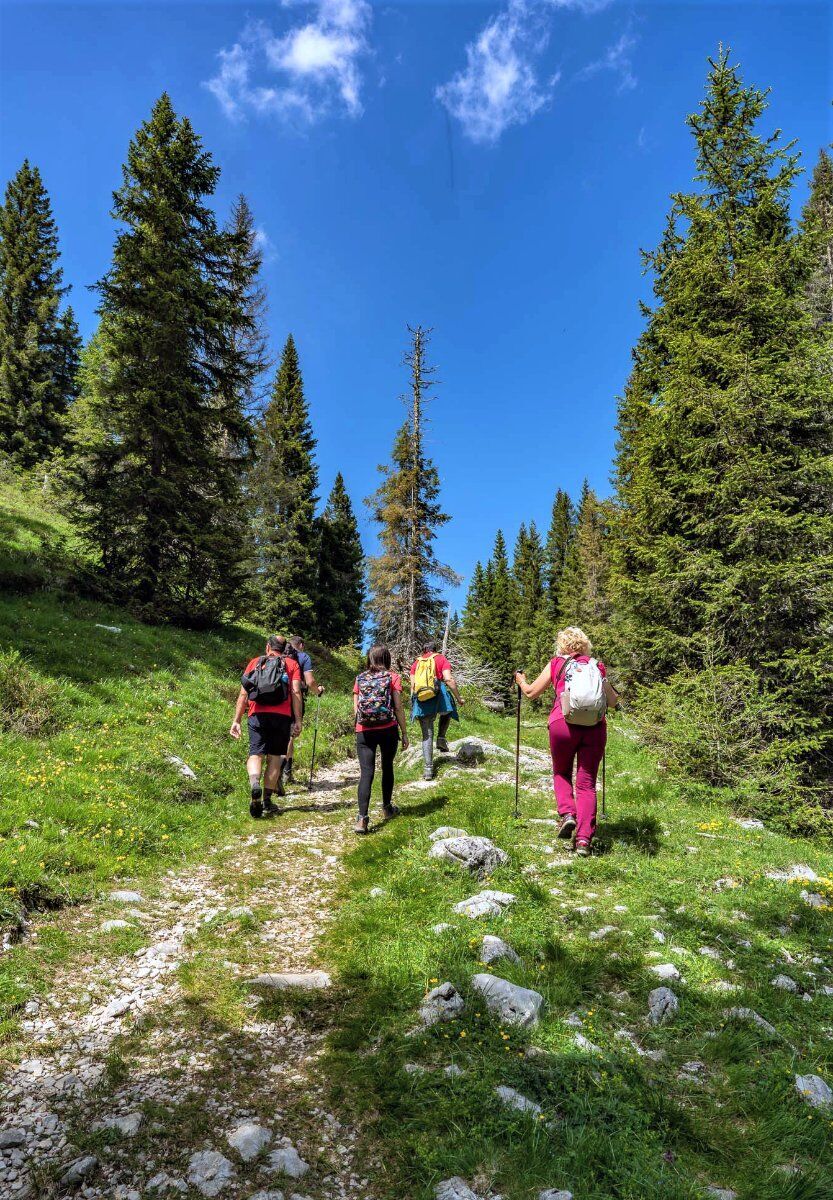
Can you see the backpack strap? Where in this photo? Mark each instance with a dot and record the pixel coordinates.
(567, 659)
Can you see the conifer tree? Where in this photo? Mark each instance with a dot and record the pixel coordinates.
(157, 491)
(341, 571)
(499, 618)
(585, 578)
(39, 346)
(283, 484)
(528, 577)
(724, 534)
(555, 550)
(817, 243)
(405, 604)
(477, 599)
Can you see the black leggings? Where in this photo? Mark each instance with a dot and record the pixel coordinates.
(387, 741)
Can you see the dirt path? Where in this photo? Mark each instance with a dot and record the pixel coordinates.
(136, 1064)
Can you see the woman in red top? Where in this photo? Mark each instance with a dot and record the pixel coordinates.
(569, 744)
(377, 706)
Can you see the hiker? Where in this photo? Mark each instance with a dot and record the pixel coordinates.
(434, 693)
(271, 689)
(380, 721)
(578, 730)
(296, 650)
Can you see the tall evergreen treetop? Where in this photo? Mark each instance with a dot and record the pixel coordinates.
(555, 549)
(39, 347)
(284, 486)
(724, 429)
(341, 586)
(405, 601)
(817, 242)
(157, 489)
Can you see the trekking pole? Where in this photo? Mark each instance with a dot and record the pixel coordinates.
(604, 759)
(314, 740)
(517, 753)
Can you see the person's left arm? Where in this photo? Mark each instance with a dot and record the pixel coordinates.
(451, 683)
(309, 680)
(297, 705)
(240, 708)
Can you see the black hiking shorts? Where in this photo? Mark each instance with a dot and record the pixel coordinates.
(269, 733)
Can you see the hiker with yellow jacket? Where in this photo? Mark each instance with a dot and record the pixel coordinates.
(434, 693)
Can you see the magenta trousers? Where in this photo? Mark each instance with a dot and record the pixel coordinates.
(586, 744)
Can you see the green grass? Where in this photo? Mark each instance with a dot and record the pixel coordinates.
(614, 1124)
(92, 801)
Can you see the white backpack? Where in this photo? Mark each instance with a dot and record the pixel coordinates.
(583, 701)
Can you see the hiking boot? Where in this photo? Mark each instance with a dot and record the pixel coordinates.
(362, 825)
(442, 744)
(270, 809)
(255, 805)
(390, 811)
(583, 849)
(566, 826)
(428, 774)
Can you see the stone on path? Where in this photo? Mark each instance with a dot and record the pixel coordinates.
(79, 1170)
(272, 1195)
(749, 1014)
(517, 1005)
(555, 1194)
(583, 1043)
(443, 1003)
(516, 1100)
(784, 983)
(476, 854)
(288, 1161)
(470, 751)
(181, 766)
(248, 1139)
(814, 899)
(597, 934)
(798, 871)
(749, 823)
(163, 1182)
(494, 948)
(454, 1189)
(209, 1171)
(10, 1139)
(487, 903)
(814, 1090)
(125, 897)
(376, 893)
(666, 971)
(662, 1005)
(307, 981)
(115, 923)
(446, 831)
(127, 1126)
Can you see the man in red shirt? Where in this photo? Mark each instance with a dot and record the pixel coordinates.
(270, 728)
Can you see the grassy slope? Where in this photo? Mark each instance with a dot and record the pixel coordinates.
(96, 801)
(624, 1125)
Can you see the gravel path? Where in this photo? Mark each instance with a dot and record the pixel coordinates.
(122, 1046)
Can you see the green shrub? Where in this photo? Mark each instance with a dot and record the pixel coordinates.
(27, 706)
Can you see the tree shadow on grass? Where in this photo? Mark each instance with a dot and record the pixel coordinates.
(642, 832)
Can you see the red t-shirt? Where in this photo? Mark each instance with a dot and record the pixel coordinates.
(559, 679)
(441, 665)
(395, 686)
(293, 671)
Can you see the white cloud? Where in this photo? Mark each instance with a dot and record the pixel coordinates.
(499, 85)
(309, 71)
(617, 58)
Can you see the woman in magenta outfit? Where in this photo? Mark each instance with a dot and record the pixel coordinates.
(570, 743)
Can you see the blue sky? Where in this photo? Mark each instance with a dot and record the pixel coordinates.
(490, 170)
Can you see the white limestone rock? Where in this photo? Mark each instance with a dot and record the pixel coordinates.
(514, 1004)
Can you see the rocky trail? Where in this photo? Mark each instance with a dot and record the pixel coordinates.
(180, 1104)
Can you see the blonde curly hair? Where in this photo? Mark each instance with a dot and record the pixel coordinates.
(572, 640)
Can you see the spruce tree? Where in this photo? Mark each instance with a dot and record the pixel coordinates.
(555, 549)
(584, 597)
(528, 576)
(39, 346)
(817, 243)
(472, 626)
(724, 534)
(158, 492)
(406, 605)
(341, 588)
(499, 619)
(283, 485)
